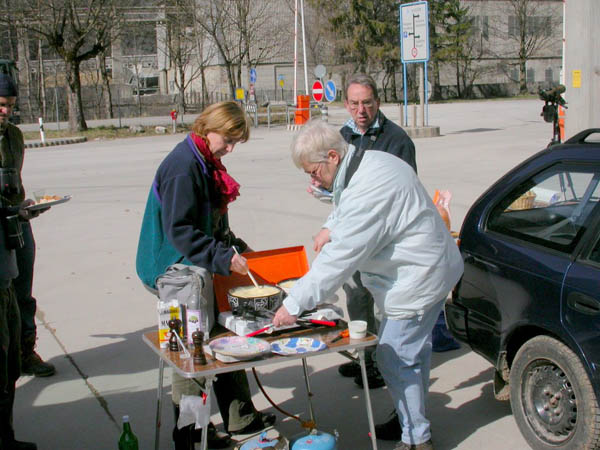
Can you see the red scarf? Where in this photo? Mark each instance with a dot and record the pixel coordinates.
(227, 188)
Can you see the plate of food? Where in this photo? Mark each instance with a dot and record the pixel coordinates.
(238, 348)
(297, 345)
(46, 201)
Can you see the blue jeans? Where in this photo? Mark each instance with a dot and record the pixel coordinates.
(404, 360)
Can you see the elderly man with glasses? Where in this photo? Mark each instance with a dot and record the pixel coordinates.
(384, 225)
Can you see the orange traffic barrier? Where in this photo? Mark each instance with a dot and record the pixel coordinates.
(302, 113)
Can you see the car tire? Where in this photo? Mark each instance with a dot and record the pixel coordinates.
(551, 397)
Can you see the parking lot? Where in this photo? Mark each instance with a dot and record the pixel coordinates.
(92, 309)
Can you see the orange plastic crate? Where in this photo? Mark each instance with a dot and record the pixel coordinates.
(268, 267)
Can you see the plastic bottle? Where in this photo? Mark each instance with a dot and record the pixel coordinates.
(193, 314)
(128, 440)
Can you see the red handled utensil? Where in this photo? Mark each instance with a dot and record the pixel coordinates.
(262, 330)
(327, 323)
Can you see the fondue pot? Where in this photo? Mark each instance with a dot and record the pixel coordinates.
(244, 304)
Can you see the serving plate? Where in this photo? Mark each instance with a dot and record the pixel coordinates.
(238, 348)
(297, 345)
(37, 206)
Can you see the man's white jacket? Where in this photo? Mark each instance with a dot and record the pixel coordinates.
(384, 225)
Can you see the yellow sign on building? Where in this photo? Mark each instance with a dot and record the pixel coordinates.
(240, 94)
(577, 78)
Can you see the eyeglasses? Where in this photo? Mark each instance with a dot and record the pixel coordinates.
(367, 104)
(315, 172)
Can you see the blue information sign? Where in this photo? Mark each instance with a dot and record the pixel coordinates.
(330, 91)
(253, 75)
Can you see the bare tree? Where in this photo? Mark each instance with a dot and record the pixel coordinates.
(77, 30)
(529, 29)
(242, 32)
(185, 47)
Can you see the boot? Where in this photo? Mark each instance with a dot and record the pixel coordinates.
(31, 362)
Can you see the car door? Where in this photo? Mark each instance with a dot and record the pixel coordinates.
(581, 305)
(515, 266)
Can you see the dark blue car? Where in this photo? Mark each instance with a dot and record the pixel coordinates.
(529, 299)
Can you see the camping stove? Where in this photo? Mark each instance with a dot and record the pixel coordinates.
(248, 323)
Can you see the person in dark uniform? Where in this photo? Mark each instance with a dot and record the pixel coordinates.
(12, 149)
(10, 326)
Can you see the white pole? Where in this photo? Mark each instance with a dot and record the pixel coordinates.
(564, 46)
(304, 49)
(295, 50)
(42, 134)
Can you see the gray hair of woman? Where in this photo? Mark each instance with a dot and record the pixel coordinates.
(314, 140)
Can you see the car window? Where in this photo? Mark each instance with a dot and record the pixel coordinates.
(595, 254)
(552, 208)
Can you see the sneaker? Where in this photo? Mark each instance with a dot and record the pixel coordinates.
(390, 430)
(350, 369)
(33, 364)
(260, 422)
(373, 376)
(424, 446)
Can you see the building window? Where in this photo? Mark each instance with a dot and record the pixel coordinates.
(548, 75)
(530, 75)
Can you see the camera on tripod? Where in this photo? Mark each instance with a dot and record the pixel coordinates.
(553, 98)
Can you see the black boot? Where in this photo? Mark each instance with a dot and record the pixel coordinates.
(31, 362)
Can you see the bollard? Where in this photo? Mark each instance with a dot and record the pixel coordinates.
(42, 134)
(325, 113)
(414, 115)
(174, 120)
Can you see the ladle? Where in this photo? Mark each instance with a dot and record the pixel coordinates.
(249, 273)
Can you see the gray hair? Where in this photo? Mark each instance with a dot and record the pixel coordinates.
(314, 140)
(364, 80)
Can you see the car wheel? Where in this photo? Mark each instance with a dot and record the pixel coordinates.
(551, 397)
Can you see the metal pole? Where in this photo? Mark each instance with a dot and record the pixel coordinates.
(308, 391)
(405, 95)
(56, 96)
(304, 49)
(295, 53)
(161, 369)
(426, 97)
(365, 379)
(119, 103)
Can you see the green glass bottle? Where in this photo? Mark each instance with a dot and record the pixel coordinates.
(127, 441)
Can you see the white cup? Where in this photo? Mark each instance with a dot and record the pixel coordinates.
(357, 329)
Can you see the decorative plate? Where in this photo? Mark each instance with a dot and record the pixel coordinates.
(238, 348)
(295, 346)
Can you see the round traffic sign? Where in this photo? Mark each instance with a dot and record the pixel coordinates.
(320, 71)
(317, 91)
(330, 91)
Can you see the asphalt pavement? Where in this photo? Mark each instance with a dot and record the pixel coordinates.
(92, 309)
